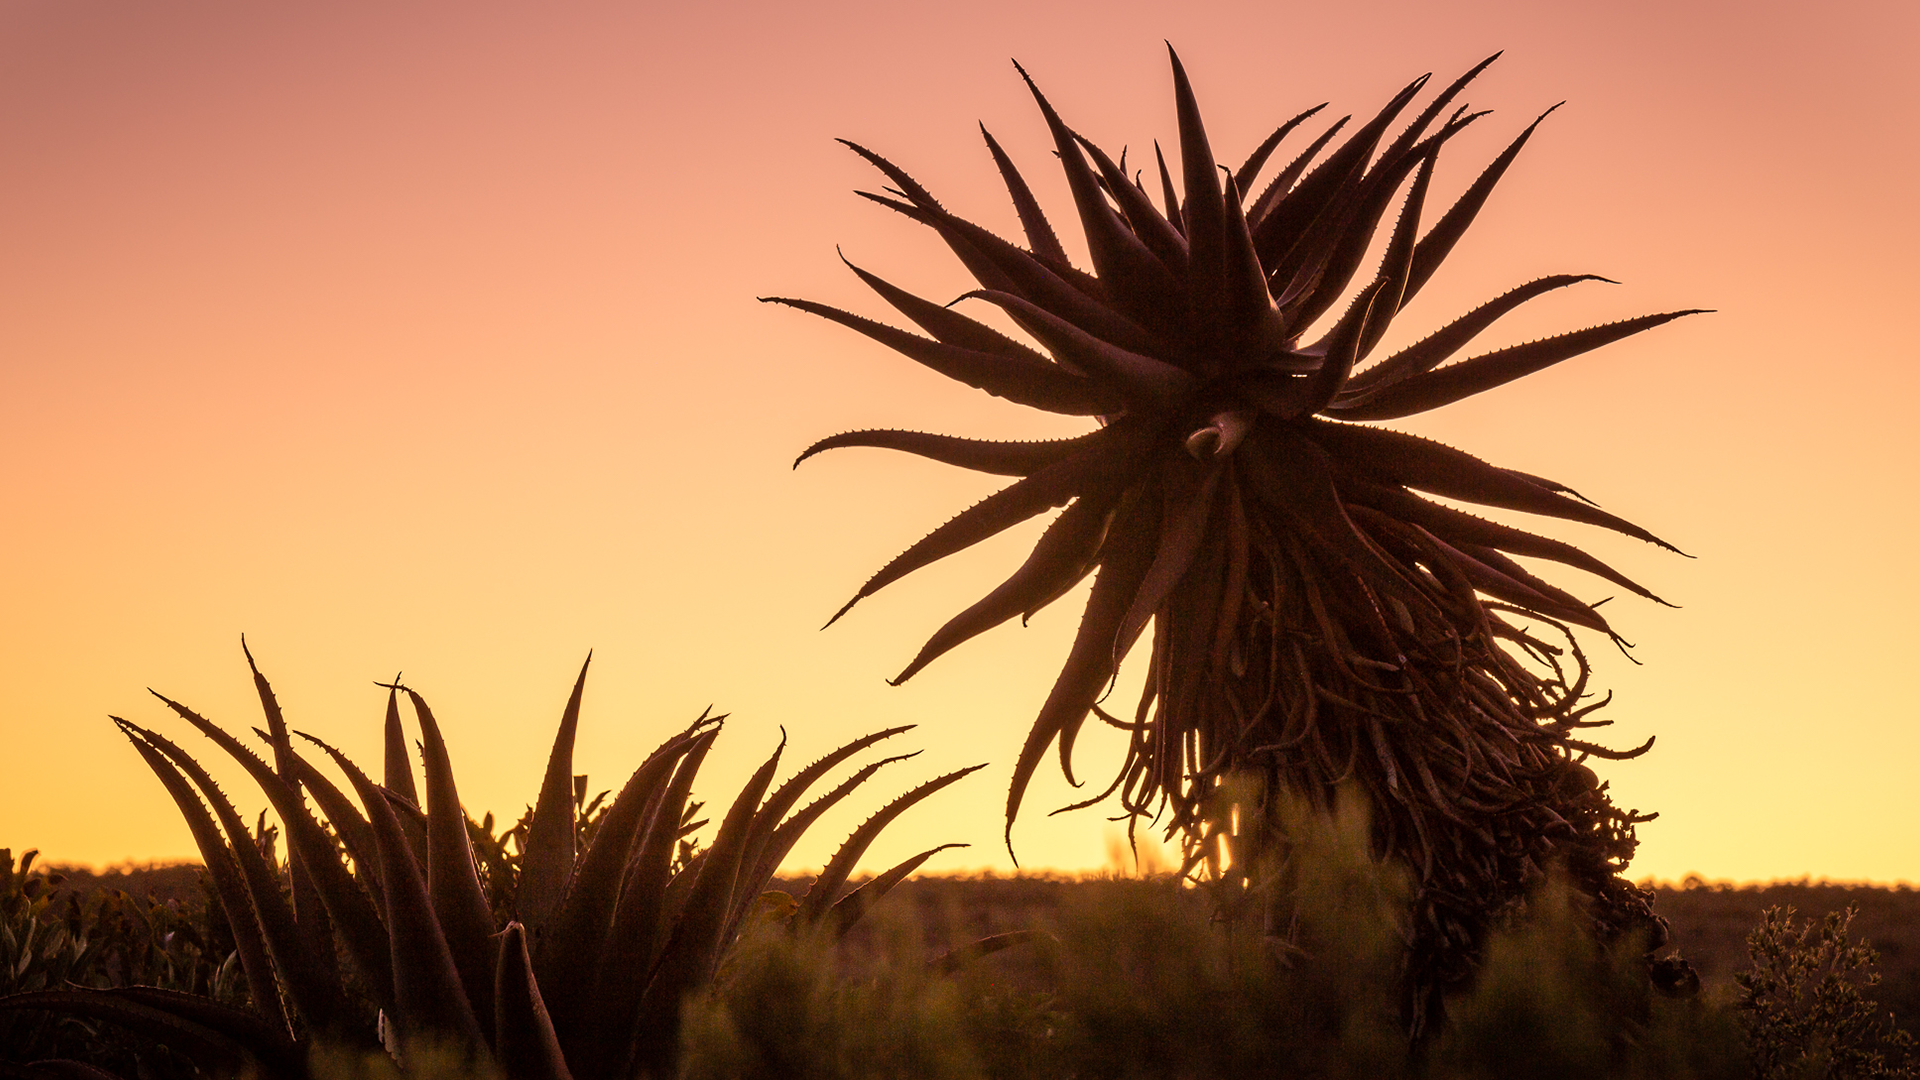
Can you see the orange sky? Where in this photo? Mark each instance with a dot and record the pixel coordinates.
(422, 337)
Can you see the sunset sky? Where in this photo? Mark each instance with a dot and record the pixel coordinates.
(422, 337)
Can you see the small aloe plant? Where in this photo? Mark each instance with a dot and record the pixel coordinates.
(386, 939)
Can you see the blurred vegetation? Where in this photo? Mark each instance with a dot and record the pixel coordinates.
(57, 932)
(1136, 978)
(1132, 977)
(1803, 1006)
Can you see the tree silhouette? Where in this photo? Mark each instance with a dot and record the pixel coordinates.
(1319, 616)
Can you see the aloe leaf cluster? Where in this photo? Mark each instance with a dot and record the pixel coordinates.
(1319, 608)
(378, 935)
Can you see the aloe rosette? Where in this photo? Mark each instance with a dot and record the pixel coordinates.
(387, 942)
(1321, 609)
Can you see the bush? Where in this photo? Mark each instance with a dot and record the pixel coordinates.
(55, 939)
(1137, 979)
(786, 1009)
(1802, 1006)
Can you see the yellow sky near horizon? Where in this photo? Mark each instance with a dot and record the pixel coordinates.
(424, 338)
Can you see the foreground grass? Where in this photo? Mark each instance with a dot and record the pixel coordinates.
(1133, 978)
(1135, 981)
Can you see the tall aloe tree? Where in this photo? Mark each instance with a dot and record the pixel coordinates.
(391, 944)
(1319, 615)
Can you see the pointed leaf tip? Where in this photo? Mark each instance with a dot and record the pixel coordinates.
(848, 606)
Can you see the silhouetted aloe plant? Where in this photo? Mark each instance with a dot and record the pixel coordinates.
(1316, 613)
(387, 937)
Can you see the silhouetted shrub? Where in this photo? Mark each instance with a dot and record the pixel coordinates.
(1803, 1007)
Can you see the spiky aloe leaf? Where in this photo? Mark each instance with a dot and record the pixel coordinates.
(789, 833)
(1156, 233)
(1419, 393)
(1249, 170)
(1140, 379)
(1438, 243)
(1460, 527)
(352, 910)
(1189, 490)
(431, 1005)
(453, 879)
(1170, 198)
(1282, 184)
(1099, 464)
(999, 265)
(321, 1002)
(1436, 348)
(1433, 467)
(1301, 223)
(571, 952)
(999, 458)
(230, 884)
(1338, 244)
(1395, 266)
(848, 910)
(694, 947)
(310, 914)
(763, 855)
(548, 859)
(342, 816)
(643, 919)
(826, 887)
(1142, 286)
(526, 1047)
(1202, 210)
(1062, 558)
(1033, 382)
(1033, 220)
(1125, 562)
(947, 325)
(1245, 300)
(1404, 143)
(397, 776)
